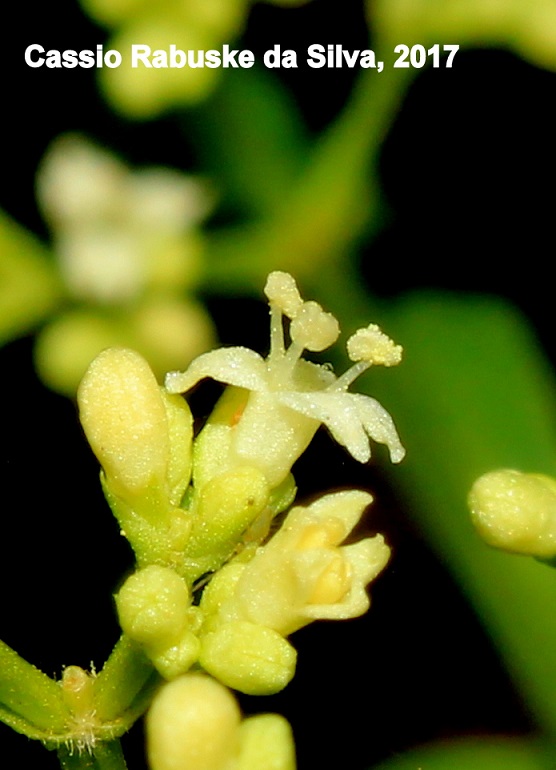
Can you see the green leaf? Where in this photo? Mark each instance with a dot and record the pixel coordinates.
(474, 393)
(250, 135)
(476, 754)
(124, 687)
(29, 285)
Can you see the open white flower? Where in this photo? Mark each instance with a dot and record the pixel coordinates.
(287, 398)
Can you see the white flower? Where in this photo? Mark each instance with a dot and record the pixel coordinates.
(288, 397)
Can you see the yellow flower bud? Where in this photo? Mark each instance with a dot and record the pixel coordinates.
(516, 511)
(152, 606)
(193, 724)
(248, 657)
(266, 742)
(124, 417)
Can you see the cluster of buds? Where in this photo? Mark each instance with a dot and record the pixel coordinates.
(194, 722)
(212, 589)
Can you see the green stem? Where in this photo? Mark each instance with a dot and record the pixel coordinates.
(104, 756)
(30, 701)
(124, 686)
(331, 204)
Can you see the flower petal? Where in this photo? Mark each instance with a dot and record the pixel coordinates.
(379, 425)
(366, 559)
(235, 366)
(339, 413)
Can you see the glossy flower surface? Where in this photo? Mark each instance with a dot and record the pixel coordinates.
(287, 397)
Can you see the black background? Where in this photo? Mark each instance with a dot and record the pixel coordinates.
(468, 172)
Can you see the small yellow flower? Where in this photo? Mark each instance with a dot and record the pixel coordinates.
(304, 573)
(286, 398)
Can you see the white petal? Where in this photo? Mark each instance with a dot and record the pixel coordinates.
(339, 413)
(379, 425)
(235, 366)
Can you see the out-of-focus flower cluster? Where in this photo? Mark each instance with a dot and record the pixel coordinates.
(191, 26)
(214, 588)
(128, 254)
(527, 27)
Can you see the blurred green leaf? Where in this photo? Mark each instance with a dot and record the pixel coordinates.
(475, 393)
(251, 137)
(29, 286)
(472, 754)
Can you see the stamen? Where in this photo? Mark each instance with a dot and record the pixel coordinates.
(313, 328)
(281, 291)
(277, 347)
(373, 346)
(355, 371)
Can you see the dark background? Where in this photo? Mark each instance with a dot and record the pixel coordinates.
(467, 172)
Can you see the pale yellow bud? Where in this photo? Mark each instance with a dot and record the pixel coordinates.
(248, 657)
(123, 414)
(193, 724)
(266, 743)
(516, 511)
(152, 606)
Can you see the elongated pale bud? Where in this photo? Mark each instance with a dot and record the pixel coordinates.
(141, 435)
(124, 417)
(516, 511)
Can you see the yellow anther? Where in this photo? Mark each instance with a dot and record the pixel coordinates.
(313, 328)
(372, 345)
(281, 290)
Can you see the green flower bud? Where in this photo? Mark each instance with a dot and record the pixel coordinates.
(248, 657)
(152, 607)
(223, 511)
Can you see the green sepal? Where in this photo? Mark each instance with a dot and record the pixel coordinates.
(156, 530)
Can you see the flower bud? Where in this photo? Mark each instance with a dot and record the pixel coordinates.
(516, 511)
(248, 657)
(266, 742)
(152, 606)
(124, 417)
(193, 724)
